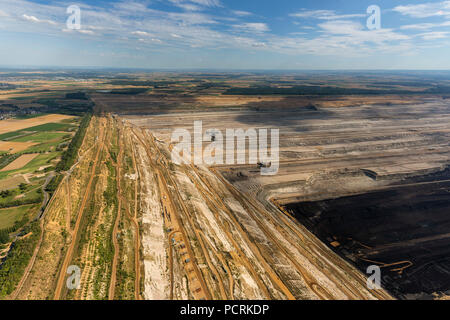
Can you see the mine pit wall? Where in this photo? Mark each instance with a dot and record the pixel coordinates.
(322, 254)
(323, 153)
(433, 237)
(322, 185)
(332, 185)
(280, 265)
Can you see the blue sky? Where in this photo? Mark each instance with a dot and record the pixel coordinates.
(226, 34)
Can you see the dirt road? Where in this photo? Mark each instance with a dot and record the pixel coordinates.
(68, 256)
(112, 284)
(137, 248)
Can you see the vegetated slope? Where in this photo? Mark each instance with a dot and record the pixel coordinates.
(70, 155)
(86, 225)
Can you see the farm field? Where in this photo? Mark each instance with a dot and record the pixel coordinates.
(14, 147)
(22, 135)
(20, 162)
(19, 124)
(11, 182)
(33, 147)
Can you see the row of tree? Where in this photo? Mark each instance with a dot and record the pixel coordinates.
(70, 155)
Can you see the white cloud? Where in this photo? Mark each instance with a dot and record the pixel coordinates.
(345, 38)
(434, 35)
(307, 27)
(131, 7)
(3, 14)
(129, 23)
(257, 27)
(141, 33)
(36, 20)
(31, 18)
(242, 13)
(425, 10)
(359, 32)
(208, 3)
(425, 26)
(152, 40)
(191, 18)
(190, 7)
(84, 31)
(259, 45)
(195, 5)
(325, 15)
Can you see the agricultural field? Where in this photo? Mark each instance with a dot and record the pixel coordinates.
(20, 162)
(11, 216)
(38, 123)
(32, 148)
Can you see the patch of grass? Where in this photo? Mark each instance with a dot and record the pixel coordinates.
(12, 269)
(11, 183)
(29, 197)
(43, 147)
(73, 121)
(40, 161)
(9, 216)
(7, 159)
(41, 137)
(13, 134)
(40, 128)
(50, 127)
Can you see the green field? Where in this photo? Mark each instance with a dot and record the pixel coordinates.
(50, 127)
(8, 217)
(11, 183)
(31, 193)
(42, 137)
(50, 140)
(43, 147)
(41, 128)
(40, 161)
(19, 199)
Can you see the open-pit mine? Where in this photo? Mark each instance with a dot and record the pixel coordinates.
(362, 180)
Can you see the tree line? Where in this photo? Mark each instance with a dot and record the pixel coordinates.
(70, 155)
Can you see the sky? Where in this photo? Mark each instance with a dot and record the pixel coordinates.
(227, 34)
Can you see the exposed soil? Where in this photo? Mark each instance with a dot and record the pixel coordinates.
(15, 125)
(20, 162)
(14, 147)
